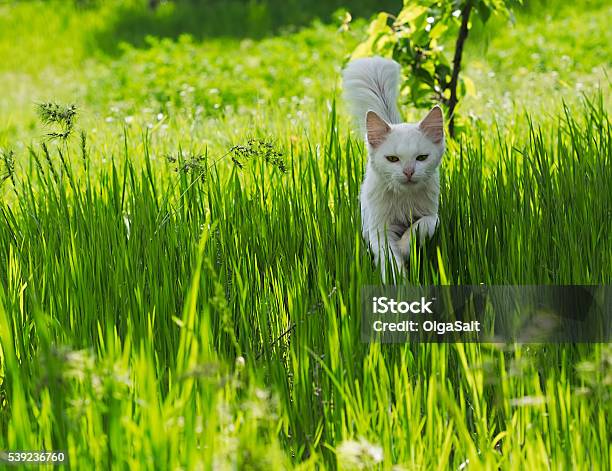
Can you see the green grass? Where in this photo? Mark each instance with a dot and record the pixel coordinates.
(162, 306)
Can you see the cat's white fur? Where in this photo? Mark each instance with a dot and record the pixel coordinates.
(398, 199)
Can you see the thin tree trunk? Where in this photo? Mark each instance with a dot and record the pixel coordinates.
(463, 34)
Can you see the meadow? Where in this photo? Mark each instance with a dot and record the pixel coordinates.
(181, 260)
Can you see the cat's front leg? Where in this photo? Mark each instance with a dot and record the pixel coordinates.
(424, 228)
(387, 254)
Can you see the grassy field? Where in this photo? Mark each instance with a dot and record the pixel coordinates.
(180, 278)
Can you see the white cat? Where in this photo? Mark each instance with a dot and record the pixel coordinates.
(400, 191)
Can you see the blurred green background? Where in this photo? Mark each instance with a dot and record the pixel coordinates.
(194, 60)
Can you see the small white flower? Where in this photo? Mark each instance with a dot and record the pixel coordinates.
(359, 454)
(526, 401)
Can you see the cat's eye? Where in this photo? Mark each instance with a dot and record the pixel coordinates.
(392, 158)
(422, 157)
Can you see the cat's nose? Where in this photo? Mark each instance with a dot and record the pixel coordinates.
(408, 172)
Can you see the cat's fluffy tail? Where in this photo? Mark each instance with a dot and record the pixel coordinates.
(372, 84)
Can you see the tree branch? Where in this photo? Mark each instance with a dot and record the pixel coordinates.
(463, 34)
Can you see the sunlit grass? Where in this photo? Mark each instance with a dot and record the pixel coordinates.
(212, 318)
(181, 266)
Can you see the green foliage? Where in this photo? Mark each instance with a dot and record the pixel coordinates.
(258, 149)
(418, 38)
(7, 157)
(215, 323)
(169, 76)
(154, 293)
(63, 117)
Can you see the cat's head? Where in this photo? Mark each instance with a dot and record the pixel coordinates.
(405, 155)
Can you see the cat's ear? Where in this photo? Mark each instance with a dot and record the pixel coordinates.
(376, 129)
(433, 125)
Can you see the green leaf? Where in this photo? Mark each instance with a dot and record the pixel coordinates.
(410, 13)
(378, 28)
(420, 38)
(379, 25)
(438, 30)
(484, 11)
(429, 66)
(470, 88)
(362, 50)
